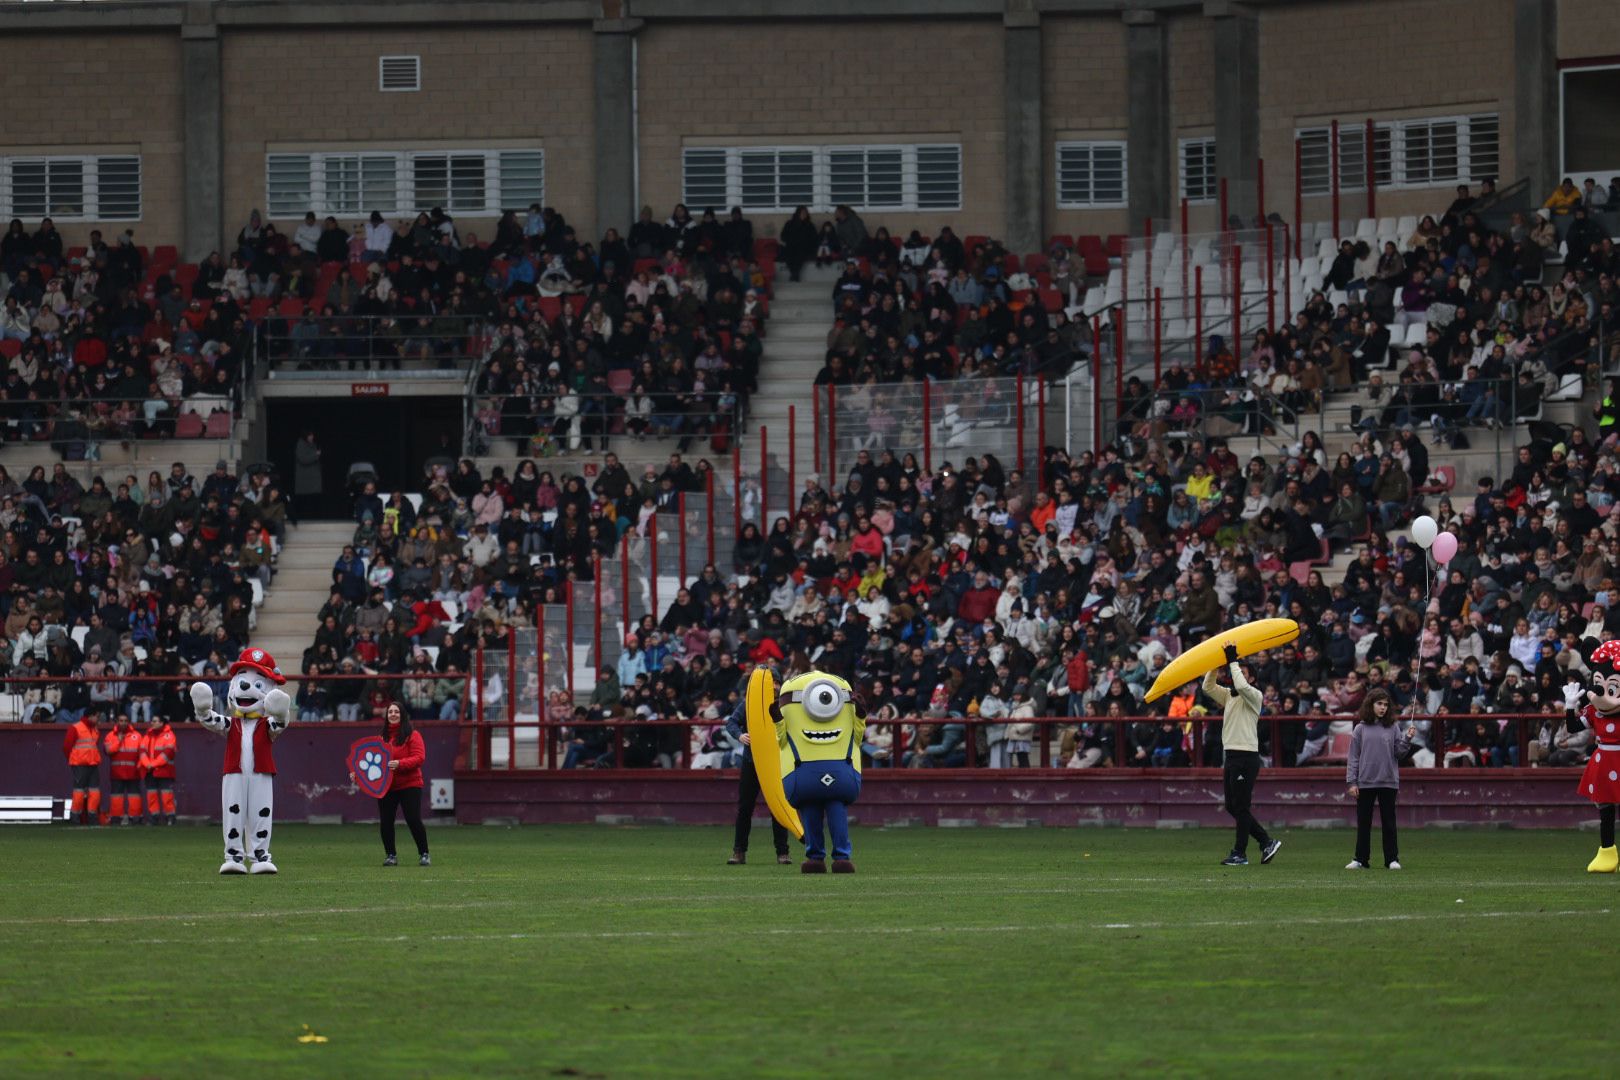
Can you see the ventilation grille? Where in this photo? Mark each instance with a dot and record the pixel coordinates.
(399, 73)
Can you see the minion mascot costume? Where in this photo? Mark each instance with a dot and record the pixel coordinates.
(817, 724)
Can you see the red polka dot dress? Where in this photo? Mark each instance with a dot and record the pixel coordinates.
(1600, 782)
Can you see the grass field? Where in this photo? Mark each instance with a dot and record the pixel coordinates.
(633, 952)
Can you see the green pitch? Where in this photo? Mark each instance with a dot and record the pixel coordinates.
(635, 952)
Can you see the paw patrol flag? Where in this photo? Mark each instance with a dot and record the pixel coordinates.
(368, 764)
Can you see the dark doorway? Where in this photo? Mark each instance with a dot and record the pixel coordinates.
(396, 435)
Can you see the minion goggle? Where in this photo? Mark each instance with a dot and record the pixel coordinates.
(822, 699)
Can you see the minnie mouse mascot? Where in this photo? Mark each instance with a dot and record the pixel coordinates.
(259, 711)
(1601, 780)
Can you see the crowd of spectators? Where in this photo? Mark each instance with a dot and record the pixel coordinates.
(107, 588)
(100, 343)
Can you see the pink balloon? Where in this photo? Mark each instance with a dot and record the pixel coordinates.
(1445, 546)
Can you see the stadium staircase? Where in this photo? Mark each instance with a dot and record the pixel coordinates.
(801, 317)
(286, 621)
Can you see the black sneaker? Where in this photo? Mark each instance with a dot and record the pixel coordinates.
(391, 861)
(1235, 859)
(1269, 852)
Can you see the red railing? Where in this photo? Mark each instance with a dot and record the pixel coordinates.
(613, 738)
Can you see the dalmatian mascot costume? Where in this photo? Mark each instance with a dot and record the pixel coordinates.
(258, 712)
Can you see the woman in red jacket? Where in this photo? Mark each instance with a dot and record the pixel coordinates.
(406, 753)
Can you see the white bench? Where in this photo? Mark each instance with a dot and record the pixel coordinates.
(30, 809)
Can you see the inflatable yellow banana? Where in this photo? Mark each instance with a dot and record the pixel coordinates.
(767, 759)
(1208, 655)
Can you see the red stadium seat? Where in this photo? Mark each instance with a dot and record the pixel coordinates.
(258, 307)
(1035, 263)
(291, 307)
(76, 252)
(10, 347)
(219, 424)
(1115, 245)
(1052, 300)
(550, 308)
(1011, 263)
(188, 426)
(357, 271)
(166, 254)
(621, 381)
(1337, 752)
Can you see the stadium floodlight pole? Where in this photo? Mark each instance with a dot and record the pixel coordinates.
(793, 457)
(1333, 174)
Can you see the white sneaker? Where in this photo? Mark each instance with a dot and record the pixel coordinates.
(1395, 866)
(231, 866)
(1355, 864)
(263, 866)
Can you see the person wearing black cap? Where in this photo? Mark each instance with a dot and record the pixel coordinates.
(1240, 720)
(748, 787)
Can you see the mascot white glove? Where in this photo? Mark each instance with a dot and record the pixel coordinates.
(278, 707)
(202, 700)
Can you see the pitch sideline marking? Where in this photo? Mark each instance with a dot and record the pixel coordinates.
(610, 935)
(69, 920)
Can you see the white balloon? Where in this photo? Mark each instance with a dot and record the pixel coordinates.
(1424, 530)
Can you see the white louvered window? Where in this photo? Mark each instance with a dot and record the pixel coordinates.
(1428, 152)
(1197, 157)
(781, 178)
(72, 187)
(399, 74)
(1090, 174)
(471, 182)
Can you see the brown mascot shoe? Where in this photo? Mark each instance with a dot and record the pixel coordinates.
(737, 859)
(843, 866)
(784, 859)
(813, 866)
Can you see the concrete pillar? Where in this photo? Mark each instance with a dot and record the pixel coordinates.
(1149, 178)
(1237, 104)
(615, 76)
(1025, 153)
(1536, 121)
(203, 156)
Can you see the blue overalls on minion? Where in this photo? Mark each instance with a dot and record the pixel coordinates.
(819, 731)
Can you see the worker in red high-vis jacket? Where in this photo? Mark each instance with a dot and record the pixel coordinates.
(82, 748)
(123, 747)
(157, 755)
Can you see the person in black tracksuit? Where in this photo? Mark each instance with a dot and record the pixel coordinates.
(748, 790)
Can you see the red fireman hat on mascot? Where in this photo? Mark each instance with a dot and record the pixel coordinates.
(260, 661)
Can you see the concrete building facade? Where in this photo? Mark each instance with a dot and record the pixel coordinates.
(1014, 118)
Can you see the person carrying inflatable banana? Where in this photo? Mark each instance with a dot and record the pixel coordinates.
(817, 723)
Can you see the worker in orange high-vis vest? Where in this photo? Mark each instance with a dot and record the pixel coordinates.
(123, 746)
(82, 748)
(157, 755)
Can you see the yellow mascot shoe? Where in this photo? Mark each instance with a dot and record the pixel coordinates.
(1607, 861)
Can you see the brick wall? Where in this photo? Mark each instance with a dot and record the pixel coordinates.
(74, 94)
(855, 82)
(319, 87)
(1357, 60)
(1588, 28)
(1083, 91)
